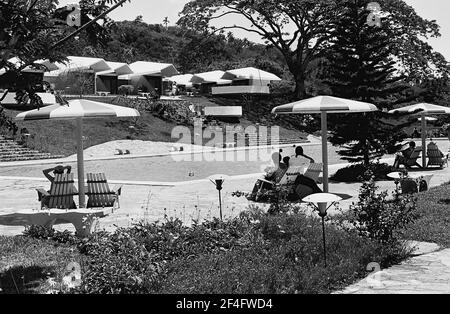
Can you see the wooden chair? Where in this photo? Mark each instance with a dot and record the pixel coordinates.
(61, 193)
(435, 157)
(412, 160)
(99, 193)
(313, 171)
(287, 179)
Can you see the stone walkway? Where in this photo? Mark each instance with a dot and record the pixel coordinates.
(425, 274)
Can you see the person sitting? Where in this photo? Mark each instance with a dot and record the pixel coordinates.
(273, 175)
(56, 170)
(47, 173)
(300, 159)
(403, 156)
(435, 156)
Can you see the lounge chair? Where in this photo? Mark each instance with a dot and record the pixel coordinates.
(313, 171)
(287, 179)
(435, 156)
(61, 193)
(412, 160)
(99, 193)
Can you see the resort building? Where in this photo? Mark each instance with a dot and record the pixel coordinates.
(206, 81)
(78, 75)
(108, 81)
(246, 81)
(148, 76)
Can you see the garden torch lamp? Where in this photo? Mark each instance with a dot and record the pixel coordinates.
(320, 201)
(218, 181)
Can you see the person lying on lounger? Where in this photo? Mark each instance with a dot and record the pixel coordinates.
(56, 170)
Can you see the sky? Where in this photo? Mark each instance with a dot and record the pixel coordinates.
(154, 12)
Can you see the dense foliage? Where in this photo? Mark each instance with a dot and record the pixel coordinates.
(254, 253)
(303, 31)
(37, 30)
(379, 217)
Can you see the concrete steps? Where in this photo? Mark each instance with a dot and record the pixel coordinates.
(12, 151)
(253, 139)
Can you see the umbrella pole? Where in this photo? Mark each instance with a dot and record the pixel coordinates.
(424, 139)
(324, 150)
(80, 159)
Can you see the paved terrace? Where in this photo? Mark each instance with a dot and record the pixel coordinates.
(185, 200)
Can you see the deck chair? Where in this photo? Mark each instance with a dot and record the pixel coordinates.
(412, 160)
(435, 156)
(287, 179)
(61, 193)
(313, 171)
(99, 193)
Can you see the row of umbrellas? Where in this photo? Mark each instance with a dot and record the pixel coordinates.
(328, 105)
(84, 109)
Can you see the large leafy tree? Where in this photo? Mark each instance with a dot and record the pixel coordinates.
(302, 31)
(298, 29)
(363, 68)
(32, 30)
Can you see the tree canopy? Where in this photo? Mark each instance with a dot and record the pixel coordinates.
(32, 30)
(302, 31)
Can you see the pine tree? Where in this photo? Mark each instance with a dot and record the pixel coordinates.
(362, 68)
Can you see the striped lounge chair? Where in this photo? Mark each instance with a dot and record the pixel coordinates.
(61, 193)
(99, 193)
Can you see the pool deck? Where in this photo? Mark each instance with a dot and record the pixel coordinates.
(188, 200)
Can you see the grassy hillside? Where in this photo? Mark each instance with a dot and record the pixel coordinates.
(57, 137)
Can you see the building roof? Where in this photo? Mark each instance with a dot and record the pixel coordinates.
(146, 68)
(80, 64)
(117, 68)
(210, 77)
(250, 73)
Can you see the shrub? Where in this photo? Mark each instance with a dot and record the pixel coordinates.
(285, 256)
(117, 263)
(44, 233)
(354, 173)
(376, 217)
(174, 111)
(133, 260)
(126, 89)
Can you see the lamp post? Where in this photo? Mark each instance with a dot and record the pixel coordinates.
(218, 181)
(319, 201)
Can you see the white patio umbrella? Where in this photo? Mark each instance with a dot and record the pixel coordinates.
(423, 110)
(78, 109)
(324, 105)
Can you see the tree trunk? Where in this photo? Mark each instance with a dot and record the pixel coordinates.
(300, 86)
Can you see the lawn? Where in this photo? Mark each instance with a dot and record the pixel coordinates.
(433, 224)
(26, 264)
(57, 137)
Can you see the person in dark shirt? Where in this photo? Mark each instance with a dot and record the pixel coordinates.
(403, 156)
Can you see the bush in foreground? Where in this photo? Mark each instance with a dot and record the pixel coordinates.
(354, 173)
(284, 256)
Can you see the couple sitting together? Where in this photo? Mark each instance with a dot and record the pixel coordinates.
(302, 187)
